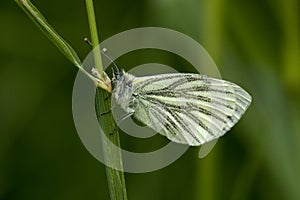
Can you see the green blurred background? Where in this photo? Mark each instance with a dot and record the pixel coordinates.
(254, 43)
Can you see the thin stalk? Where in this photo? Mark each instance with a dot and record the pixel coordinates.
(34, 14)
(115, 178)
(94, 35)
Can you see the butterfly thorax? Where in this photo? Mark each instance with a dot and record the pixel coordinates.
(122, 92)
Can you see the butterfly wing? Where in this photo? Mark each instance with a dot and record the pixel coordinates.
(188, 108)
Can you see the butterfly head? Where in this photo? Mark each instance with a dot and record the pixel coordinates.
(117, 75)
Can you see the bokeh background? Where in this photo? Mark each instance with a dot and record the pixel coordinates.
(254, 43)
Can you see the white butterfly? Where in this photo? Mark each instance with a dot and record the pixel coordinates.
(186, 108)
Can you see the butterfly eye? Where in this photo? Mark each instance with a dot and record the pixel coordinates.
(118, 75)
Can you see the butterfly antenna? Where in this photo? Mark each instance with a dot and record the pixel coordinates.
(103, 52)
(86, 40)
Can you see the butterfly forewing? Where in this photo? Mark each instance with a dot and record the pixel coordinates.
(188, 108)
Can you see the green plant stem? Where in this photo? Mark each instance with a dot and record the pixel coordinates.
(35, 15)
(94, 35)
(52, 35)
(115, 178)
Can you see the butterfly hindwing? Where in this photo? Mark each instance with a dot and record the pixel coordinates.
(188, 108)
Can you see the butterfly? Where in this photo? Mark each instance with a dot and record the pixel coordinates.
(187, 108)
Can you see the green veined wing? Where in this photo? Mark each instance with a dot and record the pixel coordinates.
(188, 108)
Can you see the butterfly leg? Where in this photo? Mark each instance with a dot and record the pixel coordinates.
(113, 131)
(115, 127)
(106, 98)
(119, 121)
(124, 117)
(105, 113)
